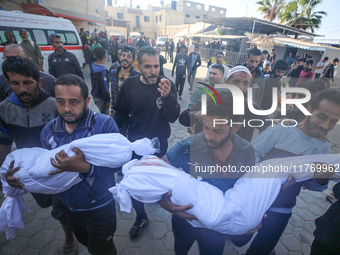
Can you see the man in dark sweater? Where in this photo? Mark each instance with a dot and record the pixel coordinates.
(307, 73)
(61, 61)
(295, 73)
(100, 81)
(151, 101)
(182, 62)
(328, 72)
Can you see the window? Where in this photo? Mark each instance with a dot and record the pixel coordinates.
(119, 15)
(197, 17)
(146, 18)
(40, 37)
(213, 9)
(156, 18)
(160, 18)
(199, 7)
(106, 14)
(188, 4)
(109, 22)
(109, 2)
(187, 15)
(221, 12)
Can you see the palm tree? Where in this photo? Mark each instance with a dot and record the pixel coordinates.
(270, 8)
(300, 14)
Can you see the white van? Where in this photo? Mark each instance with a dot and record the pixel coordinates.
(39, 28)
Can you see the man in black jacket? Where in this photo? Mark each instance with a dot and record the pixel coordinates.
(61, 61)
(328, 72)
(151, 101)
(195, 62)
(295, 73)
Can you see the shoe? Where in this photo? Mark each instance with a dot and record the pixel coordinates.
(180, 98)
(138, 227)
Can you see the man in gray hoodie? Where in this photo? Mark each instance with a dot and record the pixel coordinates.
(182, 61)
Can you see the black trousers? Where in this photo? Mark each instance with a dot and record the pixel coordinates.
(95, 228)
(180, 80)
(209, 242)
(269, 234)
(321, 248)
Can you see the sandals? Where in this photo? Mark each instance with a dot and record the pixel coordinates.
(71, 249)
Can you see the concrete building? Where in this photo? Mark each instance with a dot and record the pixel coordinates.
(88, 14)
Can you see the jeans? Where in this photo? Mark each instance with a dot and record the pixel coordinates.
(180, 80)
(101, 104)
(269, 234)
(191, 78)
(95, 228)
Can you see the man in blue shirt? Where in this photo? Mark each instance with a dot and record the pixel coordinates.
(216, 145)
(280, 142)
(88, 205)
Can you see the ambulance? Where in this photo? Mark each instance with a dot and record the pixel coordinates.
(39, 28)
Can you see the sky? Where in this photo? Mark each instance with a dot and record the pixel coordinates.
(330, 26)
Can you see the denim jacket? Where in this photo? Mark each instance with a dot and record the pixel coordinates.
(92, 192)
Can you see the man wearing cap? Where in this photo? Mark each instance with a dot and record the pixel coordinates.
(328, 71)
(295, 73)
(219, 60)
(273, 80)
(182, 63)
(120, 74)
(238, 76)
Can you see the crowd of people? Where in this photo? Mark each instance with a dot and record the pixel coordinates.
(135, 99)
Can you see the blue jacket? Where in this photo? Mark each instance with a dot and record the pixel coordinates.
(197, 64)
(92, 192)
(114, 85)
(100, 82)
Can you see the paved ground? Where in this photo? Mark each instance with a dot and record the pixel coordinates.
(43, 235)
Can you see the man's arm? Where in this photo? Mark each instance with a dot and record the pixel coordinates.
(173, 66)
(40, 56)
(51, 69)
(79, 72)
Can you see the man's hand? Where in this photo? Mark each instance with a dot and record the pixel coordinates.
(164, 88)
(290, 182)
(254, 230)
(179, 211)
(13, 181)
(322, 172)
(76, 163)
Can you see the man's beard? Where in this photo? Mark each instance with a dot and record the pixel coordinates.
(147, 78)
(78, 117)
(221, 143)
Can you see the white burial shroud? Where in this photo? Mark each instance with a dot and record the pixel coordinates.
(236, 212)
(109, 150)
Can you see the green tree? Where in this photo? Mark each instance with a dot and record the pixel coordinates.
(270, 8)
(300, 14)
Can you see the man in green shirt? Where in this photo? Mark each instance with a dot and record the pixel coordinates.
(33, 49)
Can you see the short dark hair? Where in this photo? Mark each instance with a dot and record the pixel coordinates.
(265, 52)
(219, 52)
(310, 61)
(218, 66)
(325, 58)
(23, 30)
(54, 35)
(20, 65)
(281, 64)
(255, 52)
(273, 50)
(335, 60)
(225, 110)
(301, 60)
(196, 47)
(99, 53)
(146, 50)
(72, 79)
(129, 50)
(14, 45)
(327, 94)
(182, 46)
